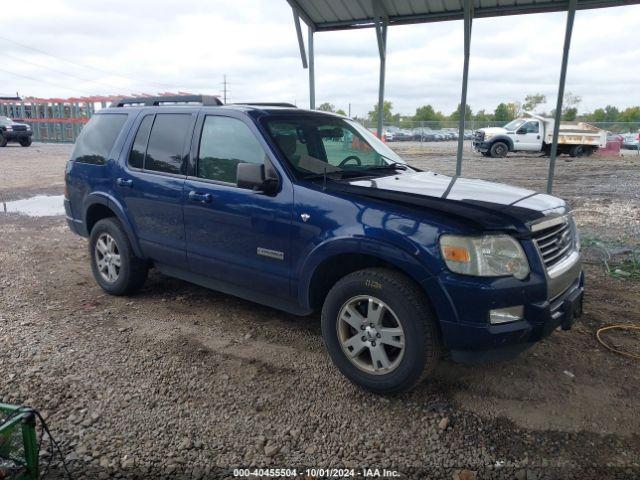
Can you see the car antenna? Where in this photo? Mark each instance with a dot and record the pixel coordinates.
(324, 179)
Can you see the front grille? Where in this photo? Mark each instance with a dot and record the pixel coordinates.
(478, 136)
(19, 128)
(555, 242)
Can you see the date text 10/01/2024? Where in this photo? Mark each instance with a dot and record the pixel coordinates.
(316, 472)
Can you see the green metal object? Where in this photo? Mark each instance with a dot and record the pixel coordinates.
(18, 443)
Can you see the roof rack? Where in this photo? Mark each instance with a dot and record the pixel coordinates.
(266, 104)
(205, 100)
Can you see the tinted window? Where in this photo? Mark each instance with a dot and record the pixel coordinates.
(166, 143)
(136, 157)
(225, 143)
(97, 138)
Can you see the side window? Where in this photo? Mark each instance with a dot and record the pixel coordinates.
(139, 148)
(166, 143)
(532, 127)
(226, 142)
(97, 138)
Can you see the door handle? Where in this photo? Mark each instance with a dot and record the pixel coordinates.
(200, 197)
(124, 182)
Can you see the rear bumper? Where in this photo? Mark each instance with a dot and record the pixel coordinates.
(76, 226)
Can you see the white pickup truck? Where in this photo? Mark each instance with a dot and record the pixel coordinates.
(534, 134)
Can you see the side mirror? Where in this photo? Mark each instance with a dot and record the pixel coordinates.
(253, 177)
(521, 131)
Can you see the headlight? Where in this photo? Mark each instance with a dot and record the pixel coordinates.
(9, 128)
(486, 256)
(487, 136)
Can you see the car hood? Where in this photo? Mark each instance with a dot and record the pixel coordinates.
(493, 130)
(488, 205)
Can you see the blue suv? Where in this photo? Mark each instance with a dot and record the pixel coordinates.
(308, 211)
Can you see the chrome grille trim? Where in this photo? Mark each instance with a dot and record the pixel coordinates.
(554, 239)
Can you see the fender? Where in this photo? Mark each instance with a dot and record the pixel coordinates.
(115, 206)
(502, 138)
(404, 260)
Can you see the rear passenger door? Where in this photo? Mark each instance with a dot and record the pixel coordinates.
(234, 235)
(151, 184)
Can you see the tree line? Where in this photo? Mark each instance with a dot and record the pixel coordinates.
(504, 112)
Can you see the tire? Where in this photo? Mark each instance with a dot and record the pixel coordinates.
(405, 306)
(580, 151)
(26, 142)
(499, 150)
(131, 274)
(3, 141)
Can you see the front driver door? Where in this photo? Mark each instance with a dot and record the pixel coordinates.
(235, 235)
(528, 137)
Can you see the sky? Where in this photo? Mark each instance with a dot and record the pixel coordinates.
(65, 48)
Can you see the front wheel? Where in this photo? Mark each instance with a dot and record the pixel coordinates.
(3, 141)
(25, 142)
(116, 269)
(379, 330)
(499, 150)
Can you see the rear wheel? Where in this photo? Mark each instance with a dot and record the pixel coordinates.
(379, 330)
(499, 150)
(25, 142)
(580, 151)
(3, 141)
(116, 269)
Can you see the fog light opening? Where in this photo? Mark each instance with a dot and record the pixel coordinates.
(506, 315)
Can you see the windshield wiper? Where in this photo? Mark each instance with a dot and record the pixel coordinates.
(390, 166)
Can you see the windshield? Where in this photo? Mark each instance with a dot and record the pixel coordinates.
(314, 144)
(5, 121)
(513, 125)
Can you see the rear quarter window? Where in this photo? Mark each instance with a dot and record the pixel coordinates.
(97, 138)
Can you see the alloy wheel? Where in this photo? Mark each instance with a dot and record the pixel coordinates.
(371, 335)
(107, 257)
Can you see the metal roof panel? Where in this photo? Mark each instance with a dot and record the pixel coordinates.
(326, 15)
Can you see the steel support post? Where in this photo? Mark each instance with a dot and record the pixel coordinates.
(312, 72)
(303, 54)
(381, 32)
(468, 21)
(571, 13)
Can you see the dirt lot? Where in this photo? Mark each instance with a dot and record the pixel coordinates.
(181, 382)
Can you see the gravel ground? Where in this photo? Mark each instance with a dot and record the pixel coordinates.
(182, 382)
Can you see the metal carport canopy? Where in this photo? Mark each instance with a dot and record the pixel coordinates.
(331, 15)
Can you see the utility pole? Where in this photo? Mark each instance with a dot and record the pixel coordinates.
(224, 88)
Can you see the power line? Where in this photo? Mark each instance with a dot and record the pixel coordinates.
(71, 62)
(44, 81)
(59, 71)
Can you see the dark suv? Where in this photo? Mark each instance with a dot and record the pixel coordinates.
(305, 210)
(11, 131)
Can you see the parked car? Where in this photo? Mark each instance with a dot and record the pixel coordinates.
(630, 141)
(424, 135)
(11, 131)
(308, 211)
